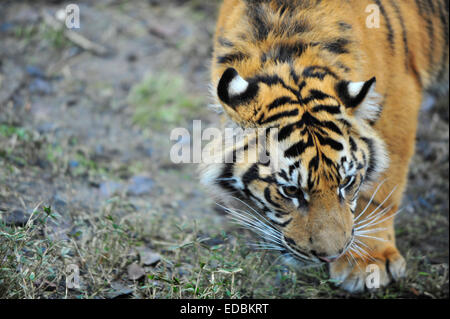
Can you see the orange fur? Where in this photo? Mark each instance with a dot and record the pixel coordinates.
(408, 55)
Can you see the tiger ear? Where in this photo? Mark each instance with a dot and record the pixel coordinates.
(233, 90)
(362, 98)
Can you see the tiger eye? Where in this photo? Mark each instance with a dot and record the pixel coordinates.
(290, 191)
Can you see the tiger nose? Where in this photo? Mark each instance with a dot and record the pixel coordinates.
(330, 258)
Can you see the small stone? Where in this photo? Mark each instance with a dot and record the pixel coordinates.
(131, 57)
(16, 218)
(135, 272)
(40, 86)
(118, 290)
(148, 257)
(59, 204)
(35, 71)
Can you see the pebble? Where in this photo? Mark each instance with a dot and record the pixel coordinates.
(16, 218)
(135, 272)
(35, 71)
(40, 86)
(118, 290)
(59, 204)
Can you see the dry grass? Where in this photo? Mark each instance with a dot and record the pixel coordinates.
(201, 255)
(192, 264)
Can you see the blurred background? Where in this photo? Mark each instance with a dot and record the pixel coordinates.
(86, 181)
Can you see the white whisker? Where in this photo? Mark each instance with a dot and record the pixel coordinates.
(380, 205)
(375, 218)
(254, 224)
(386, 218)
(370, 201)
(373, 237)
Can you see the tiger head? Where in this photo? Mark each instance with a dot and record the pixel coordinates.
(322, 150)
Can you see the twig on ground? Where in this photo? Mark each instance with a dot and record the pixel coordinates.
(73, 36)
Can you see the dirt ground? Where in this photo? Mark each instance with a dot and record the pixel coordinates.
(84, 138)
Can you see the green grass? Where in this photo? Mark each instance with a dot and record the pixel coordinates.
(161, 99)
(193, 264)
(200, 258)
(8, 131)
(41, 32)
(190, 266)
(28, 259)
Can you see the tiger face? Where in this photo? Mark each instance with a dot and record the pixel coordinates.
(322, 152)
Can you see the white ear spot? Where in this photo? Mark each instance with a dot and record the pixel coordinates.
(370, 107)
(354, 88)
(237, 86)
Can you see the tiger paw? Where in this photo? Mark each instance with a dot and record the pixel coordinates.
(356, 273)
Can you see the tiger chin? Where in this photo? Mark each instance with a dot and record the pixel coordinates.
(324, 114)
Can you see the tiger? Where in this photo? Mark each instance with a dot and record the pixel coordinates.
(342, 95)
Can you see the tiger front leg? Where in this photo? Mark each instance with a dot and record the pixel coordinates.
(373, 260)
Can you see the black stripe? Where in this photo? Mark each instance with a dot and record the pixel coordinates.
(430, 30)
(297, 27)
(419, 6)
(342, 66)
(353, 146)
(313, 164)
(271, 80)
(404, 32)
(284, 52)
(282, 225)
(314, 95)
(293, 74)
(231, 58)
(286, 131)
(346, 123)
(338, 46)
(227, 172)
(444, 24)
(307, 120)
(279, 115)
(332, 109)
(372, 165)
(259, 21)
(330, 142)
(344, 26)
(250, 175)
(298, 148)
(280, 101)
(318, 72)
(390, 34)
(350, 101)
(267, 195)
(331, 126)
(431, 6)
